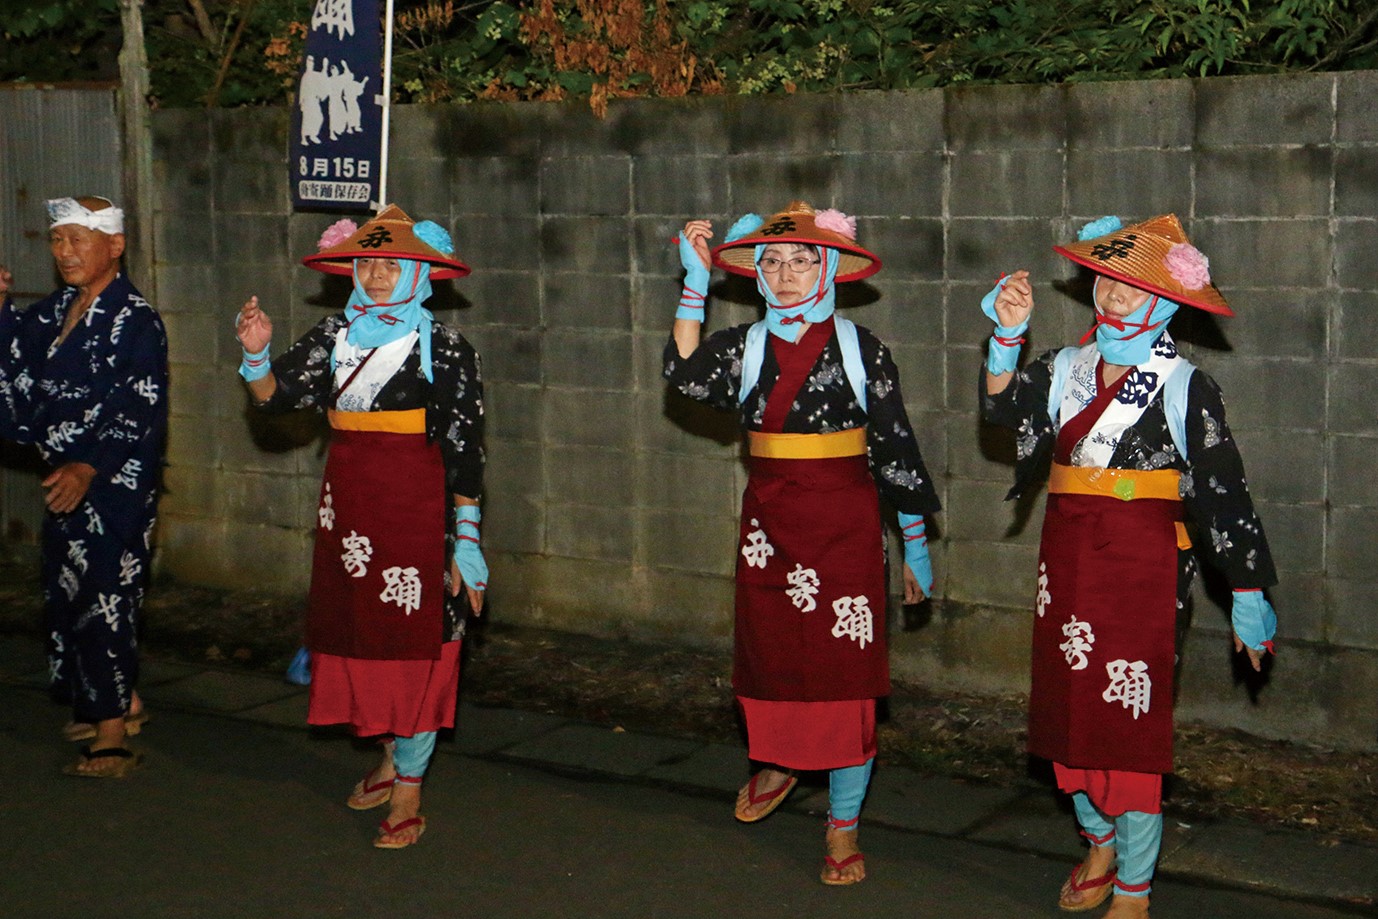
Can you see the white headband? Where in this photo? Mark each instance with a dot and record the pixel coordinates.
(63, 211)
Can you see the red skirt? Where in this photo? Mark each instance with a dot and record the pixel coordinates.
(811, 590)
(1104, 640)
(377, 575)
(1114, 791)
(385, 697)
(810, 735)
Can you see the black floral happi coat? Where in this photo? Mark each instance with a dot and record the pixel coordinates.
(453, 403)
(1214, 490)
(826, 403)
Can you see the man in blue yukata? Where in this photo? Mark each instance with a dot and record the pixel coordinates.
(83, 377)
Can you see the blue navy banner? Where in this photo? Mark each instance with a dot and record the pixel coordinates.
(338, 121)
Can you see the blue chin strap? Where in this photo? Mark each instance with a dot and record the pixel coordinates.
(1129, 341)
(783, 320)
(372, 325)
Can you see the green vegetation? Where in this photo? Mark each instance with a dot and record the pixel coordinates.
(238, 52)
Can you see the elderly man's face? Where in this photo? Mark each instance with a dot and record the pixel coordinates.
(85, 257)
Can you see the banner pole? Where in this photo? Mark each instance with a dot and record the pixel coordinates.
(387, 108)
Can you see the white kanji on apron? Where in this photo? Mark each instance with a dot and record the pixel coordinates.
(1044, 598)
(1129, 685)
(803, 586)
(326, 514)
(404, 588)
(358, 551)
(757, 550)
(854, 620)
(1080, 638)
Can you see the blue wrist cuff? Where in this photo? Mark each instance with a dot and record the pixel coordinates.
(255, 366)
(1253, 618)
(1001, 358)
(694, 295)
(915, 533)
(468, 556)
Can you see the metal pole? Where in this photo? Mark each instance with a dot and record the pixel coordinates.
(387, 107)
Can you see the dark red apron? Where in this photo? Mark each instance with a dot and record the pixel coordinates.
(387, 489)
(1104, 636)
(827, 642)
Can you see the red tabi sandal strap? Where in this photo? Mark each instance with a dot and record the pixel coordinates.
(839, 865)
(1091, 883)
(407, 824)
(752, 799)
(378, 786)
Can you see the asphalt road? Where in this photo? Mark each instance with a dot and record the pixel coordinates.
(241, 820)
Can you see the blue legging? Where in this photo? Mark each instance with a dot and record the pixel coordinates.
(1136, 836)
(846, 791)
(411, 755)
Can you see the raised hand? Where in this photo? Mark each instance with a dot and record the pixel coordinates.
(253, 329)
(1014, 302)
(693, 242)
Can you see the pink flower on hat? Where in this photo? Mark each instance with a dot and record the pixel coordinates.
(1188, 266)
(337, 233)
(836, 221)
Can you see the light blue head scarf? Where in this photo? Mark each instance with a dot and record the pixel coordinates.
(1128, 341)
(372, 325)
(781, 318)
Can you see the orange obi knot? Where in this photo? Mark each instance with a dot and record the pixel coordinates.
(851, 442)
(412, 421)
(1125, 484)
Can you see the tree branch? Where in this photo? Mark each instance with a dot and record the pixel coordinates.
(1348, 43)
(203, 22)
(213, 96)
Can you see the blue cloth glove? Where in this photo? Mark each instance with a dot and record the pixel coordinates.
(1003, 354)
(468, 556)
(695, 282)
(915, 535)
(255, 366)
(1253, 619)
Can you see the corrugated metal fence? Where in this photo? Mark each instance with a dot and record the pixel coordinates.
(54, 141)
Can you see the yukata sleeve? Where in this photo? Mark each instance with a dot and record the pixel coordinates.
(1024, 401)
(16, 382)
(1217, 494)
(713, 373)
(1023, 407)
(133, 405)
(303, 370)
(892, 449)
(457, 409)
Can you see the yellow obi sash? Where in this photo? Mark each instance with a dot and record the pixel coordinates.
(1124, 484)
(851, 442)
(412, 421)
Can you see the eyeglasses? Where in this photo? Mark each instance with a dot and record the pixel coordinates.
(799, 264)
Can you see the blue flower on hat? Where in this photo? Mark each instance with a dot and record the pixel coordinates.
(434, 235)
(1098, 228)
(745, 225)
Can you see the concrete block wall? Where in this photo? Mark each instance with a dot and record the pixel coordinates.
(610, 504)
